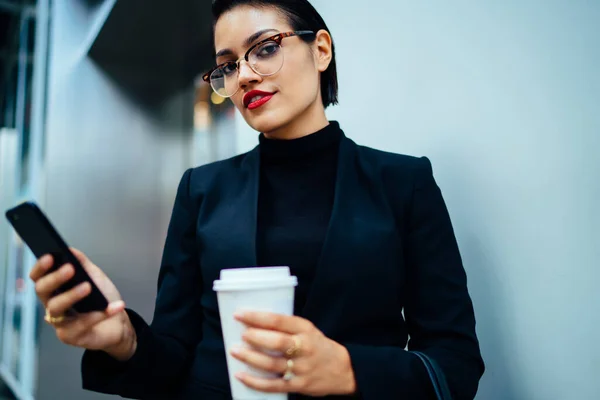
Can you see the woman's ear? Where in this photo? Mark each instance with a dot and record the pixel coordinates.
(324, 51)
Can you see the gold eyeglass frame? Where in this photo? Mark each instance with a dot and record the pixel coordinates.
(275, 38)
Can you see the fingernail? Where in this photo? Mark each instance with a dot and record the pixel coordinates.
(83, 288)
(46, 261)
(115, 306)
(238, 315)
(236, 351)
(239, 375)
(66, 270)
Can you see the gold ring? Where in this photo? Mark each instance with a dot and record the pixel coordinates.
(295, 348)
(288, 371)
(53, 320)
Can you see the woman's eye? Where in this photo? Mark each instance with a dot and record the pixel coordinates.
(229, 68)
(267, 49)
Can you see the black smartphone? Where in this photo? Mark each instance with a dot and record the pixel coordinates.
(39, 234)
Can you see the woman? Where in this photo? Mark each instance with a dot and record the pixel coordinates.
(366, 233)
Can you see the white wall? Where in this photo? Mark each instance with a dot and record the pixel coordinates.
(504, 97)
(111, 170)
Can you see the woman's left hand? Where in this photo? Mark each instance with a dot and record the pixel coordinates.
(320, 366)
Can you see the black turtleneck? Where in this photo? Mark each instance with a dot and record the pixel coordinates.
(296, 191)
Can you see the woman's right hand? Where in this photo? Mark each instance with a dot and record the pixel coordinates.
(109, 330)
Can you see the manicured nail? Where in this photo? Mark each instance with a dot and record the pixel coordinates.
(116, 306)
(66, 270)
(83, 288)
(46, 261)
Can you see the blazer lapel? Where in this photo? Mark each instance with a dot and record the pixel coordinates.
(247, 204)
(230, 230)
(331, 260)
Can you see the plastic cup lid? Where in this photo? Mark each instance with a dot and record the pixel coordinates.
(254, 278)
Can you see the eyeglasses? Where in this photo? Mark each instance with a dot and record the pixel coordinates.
(264, 57)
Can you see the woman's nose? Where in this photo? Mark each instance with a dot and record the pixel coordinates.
(246, 75)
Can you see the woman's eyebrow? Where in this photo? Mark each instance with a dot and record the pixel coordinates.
(249, 40)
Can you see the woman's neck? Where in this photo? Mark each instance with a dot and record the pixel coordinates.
(311, 121)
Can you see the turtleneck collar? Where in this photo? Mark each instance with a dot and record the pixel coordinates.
(306, 146)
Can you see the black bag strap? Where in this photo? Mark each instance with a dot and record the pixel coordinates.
(438, 379)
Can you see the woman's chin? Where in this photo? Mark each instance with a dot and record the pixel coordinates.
(265, 123)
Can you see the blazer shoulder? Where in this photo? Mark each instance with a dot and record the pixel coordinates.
(214, 172)
(396, 164)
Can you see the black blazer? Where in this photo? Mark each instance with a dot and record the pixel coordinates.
(390, 247)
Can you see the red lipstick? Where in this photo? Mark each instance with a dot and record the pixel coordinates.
(260, 98)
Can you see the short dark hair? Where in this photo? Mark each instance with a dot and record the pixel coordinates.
(301, 15)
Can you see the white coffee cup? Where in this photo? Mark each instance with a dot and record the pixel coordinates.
(251, 289)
